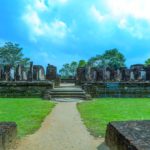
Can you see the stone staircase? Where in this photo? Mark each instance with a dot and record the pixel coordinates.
(67, 92)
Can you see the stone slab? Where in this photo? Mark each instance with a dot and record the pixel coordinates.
(8, 134)
(129, 135)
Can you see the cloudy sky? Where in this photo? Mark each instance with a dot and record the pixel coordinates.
(59, 31)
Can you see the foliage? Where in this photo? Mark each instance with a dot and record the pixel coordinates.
(147, 62)
(98, 113)
(12, 54)
(70, 69)
(82, 63)
(114, 58)
(27, 113)
(111, 58)
(73, 68)
(65, 71)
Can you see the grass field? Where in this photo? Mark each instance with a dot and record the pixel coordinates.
(98, 113)
(27, 113)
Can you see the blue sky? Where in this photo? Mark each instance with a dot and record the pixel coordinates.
(59, 31)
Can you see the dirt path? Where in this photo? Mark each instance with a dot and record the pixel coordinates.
(61, 130)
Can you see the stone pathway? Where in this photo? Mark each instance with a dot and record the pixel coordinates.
(62, 130)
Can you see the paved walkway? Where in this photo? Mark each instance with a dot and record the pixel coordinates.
(62, 130)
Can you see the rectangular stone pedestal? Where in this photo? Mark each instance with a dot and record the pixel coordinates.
(8, 134)
(130, 135)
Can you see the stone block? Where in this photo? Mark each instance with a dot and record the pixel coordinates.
(8, 134)
(129, 135)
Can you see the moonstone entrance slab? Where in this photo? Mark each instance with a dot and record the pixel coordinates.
(130, 135)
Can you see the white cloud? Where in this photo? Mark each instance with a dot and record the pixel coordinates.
(128, 15)
(32, 19)
(135, 29)
(96, 14)
(38, 27)
(57, 1)
(138, 9)
(57, 29)
(40, 5)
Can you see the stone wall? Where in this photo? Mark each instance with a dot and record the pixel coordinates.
(24, 88)
(117, 89)
(8, 134)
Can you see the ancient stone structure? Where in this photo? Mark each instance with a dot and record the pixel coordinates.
(117, 89)
(129, 135)
(38, 73)
(51, 72)
(18, 74)
(136, 73)
(81, 75)
(29, 81)
(24, 88)
(8, 134)
(30, 72)
(147, 70)
(7, 72)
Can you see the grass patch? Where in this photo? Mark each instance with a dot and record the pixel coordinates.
(28, 113)
(98, 113)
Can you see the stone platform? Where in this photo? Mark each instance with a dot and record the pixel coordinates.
(8, 134)
(117, 89)
(130, 135)
(24, 89)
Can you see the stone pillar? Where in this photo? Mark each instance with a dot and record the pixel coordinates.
(147, 69)
(18, 73)
(1, 72)
(51, 72)
(12, 74)
(30, 72)
(7, 72)
(132, 75)
(81, 75)
(143, 75)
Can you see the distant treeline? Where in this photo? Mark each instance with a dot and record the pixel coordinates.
(110, 58)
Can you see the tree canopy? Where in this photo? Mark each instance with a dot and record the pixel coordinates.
(147, 62)
(111, 58)
(82, 63)
(12, 54)
(70, 69)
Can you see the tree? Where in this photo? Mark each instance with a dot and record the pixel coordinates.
(96, 61)
(82, 63)
(114, 59)
(73, 68)
(69, 69)
(147, 62)
(111, 58)
(12, 54)
(65, 70)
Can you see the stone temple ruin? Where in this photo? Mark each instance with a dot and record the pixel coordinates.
(98, 82)
(122, 82)
(33, 73)
(136, 72)
(20, 81)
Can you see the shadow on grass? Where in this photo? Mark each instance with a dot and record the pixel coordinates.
(103, 147)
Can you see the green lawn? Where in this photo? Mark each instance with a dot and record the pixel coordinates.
(28, 113)
(96, 114)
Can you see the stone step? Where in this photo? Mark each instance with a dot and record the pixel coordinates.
(67, 90)
(69, 96)
(66, 93)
